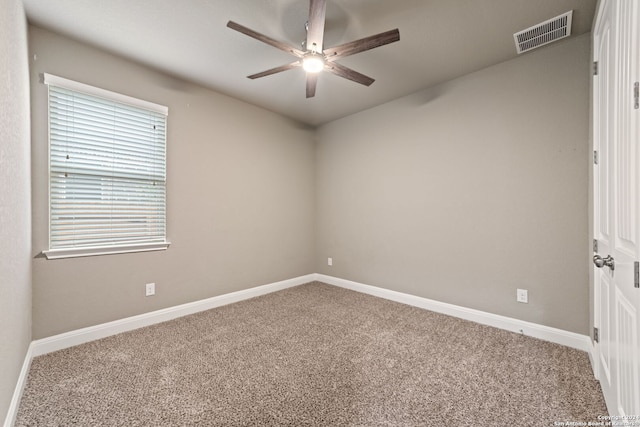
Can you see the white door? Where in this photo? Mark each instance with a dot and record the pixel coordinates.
(617, 204)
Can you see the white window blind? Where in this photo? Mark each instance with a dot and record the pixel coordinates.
(107, 171)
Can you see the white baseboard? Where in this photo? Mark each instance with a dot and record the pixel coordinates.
(80, 336)
(91, 333)
(10, 419)
(558, 336)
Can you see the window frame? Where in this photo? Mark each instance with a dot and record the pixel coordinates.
(83, 251)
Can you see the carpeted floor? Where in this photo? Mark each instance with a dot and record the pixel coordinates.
(312, 355)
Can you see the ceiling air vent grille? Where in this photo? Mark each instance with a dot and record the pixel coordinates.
(546, 32)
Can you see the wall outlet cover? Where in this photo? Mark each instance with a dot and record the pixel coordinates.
(150, 289)
(522, 296)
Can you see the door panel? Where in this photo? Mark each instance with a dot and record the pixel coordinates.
(625, 147)
(603, 113)
(616, 203)
(628, 355)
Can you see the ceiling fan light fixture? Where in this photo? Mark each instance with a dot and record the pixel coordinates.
(313, 63)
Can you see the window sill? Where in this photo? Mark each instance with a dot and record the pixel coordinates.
(104, 250)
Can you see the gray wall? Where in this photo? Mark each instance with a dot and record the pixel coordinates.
(460, 193)
(466, 191)
(240, 197)
(15, 204)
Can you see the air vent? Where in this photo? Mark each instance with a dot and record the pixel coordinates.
(544, 33)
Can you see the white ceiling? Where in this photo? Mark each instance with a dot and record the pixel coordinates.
(439, 40)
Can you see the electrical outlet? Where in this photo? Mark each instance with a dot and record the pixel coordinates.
(150, 289)
(329, 261)
(522, 296)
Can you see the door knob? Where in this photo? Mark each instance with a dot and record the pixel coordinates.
(606, 261)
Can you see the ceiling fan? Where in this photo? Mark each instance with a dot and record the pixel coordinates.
(313, 57)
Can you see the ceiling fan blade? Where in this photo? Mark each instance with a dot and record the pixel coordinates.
(312, 81)
(265, 39)
(361, 45)
(275, 70)
(348, 73)
(315, 30)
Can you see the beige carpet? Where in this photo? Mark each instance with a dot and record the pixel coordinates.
(312, 355)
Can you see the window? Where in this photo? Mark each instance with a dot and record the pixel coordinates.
(107, 172)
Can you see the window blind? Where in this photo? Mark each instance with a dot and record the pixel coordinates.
(107, 168)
